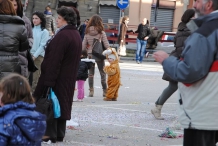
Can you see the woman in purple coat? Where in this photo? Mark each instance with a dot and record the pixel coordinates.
(59, 70)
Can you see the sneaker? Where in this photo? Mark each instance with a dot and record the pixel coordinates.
(138, 62)
(146, 55)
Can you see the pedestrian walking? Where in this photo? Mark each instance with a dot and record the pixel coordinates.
(113, 72)
(40, 37)
(197, 73)
(95, 30)
(12, 40)
(143, 35)
(19, 122)
(84, 65)
(59, 70)
(180, 37)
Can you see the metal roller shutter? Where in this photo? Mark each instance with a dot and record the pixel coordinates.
(164, 19)
(109, 13)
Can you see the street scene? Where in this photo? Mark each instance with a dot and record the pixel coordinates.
(127, 121)
(108, 73)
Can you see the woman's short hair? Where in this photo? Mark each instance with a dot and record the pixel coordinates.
(7, 8)
(41, 17)
(15, 88)
(188, 14)
(68, 15)
(95, 21)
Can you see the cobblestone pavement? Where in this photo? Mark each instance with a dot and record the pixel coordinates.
(128, 121)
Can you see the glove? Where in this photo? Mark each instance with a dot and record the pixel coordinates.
(107, 52)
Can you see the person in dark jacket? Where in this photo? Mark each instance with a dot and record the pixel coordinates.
(143, 35)
(180, 37)
(13, 39)
(20, 124)
(82, 28)
(84, 66)
(50, 21)
(23, 55)
(59, 70)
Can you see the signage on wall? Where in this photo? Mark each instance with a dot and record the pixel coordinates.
(122, 4)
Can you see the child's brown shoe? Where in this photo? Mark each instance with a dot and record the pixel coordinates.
(107, 99)
(114, 99)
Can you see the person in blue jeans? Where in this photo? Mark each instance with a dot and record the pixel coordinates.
(143, 35)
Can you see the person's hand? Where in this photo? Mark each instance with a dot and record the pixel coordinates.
(146, 38)
(121, 41)
(160, 56)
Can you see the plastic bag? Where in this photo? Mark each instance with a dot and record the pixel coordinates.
(56, 105)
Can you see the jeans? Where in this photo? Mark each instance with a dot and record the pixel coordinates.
(80, 88)
(167, 92)
(141, 50)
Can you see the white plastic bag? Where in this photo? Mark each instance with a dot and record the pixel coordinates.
(122, 50)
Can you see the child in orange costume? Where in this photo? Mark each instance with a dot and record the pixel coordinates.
(113, 72)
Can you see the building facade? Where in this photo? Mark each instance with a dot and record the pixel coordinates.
(166, 17)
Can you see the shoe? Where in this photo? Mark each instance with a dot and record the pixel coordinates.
(157, 112)
(53, 140)
(114, 99)
(138, 62)
(91, 92)
(107, 99)
(146, 55)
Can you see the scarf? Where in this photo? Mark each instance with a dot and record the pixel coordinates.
(56, 32)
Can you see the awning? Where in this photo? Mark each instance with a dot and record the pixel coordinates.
(72, 1)
(108, 3)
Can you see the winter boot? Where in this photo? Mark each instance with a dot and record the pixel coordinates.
(104, 92)
(91, 92)
(157, 112)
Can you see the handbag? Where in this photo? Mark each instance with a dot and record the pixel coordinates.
(98, 48)
(44, 105)
(31, 65)
(122, 50)
(56, 105)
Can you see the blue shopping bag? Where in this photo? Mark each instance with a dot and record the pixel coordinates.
(56, 105)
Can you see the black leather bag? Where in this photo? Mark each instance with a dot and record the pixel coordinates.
(44, 105)
(31, 65)
(98, 48)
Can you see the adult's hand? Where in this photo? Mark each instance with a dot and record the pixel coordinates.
(160, 56)
(146, 38)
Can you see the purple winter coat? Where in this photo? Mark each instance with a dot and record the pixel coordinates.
(59, 68)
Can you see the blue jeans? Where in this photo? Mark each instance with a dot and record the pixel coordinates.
(141, 50)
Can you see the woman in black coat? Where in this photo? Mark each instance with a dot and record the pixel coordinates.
(13, 39)
(59, 70)
(180, 37)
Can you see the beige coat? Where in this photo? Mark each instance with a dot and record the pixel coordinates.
(88, 39)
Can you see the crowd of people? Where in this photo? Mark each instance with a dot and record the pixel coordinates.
(62, 52)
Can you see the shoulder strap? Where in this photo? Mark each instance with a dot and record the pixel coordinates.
(100, 36)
